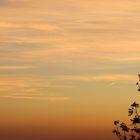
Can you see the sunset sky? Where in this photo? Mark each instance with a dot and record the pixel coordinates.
(68, 68)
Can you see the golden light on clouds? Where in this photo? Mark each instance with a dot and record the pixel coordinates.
(49, 98)
(108, 77)
(48, 27)
(15, 67)
(37, 26)
(7, 25)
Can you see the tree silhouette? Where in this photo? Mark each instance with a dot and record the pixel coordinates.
(132, 132)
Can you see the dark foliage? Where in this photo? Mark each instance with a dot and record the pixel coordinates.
(132, 132)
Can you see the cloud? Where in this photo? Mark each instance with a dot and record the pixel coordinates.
(28, 84)
(105, 77)
(15, 67)
(48, 98)
(7, 25)
(75, 44)
(111, 84)
(49, 27)
(12, 3)
(127, 59)
(60, 50)
(36, 26)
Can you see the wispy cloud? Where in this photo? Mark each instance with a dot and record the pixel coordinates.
(27, 84)
(12, 3)
(48, 98)
(36, 26)
(111, 84)
(4, 25)
(105, 77)
(49, 27)
(15, 67)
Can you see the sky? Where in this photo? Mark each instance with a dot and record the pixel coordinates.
(68, 68)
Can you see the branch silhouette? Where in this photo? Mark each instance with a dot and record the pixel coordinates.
(132, 132)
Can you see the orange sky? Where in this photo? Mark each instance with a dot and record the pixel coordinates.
(68, 68)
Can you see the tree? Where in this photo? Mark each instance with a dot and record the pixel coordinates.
(132, 132)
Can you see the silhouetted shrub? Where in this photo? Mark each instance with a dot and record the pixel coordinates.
(132, 132)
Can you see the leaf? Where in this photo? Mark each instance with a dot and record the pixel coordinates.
(124, 127)
(136, 120)
(116, 122)
(135, 105)
(130, 112)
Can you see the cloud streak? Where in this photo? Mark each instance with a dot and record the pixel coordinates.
(36, 26)
(105, 77)
(12, 3)
(47, 98)
(15, 67)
